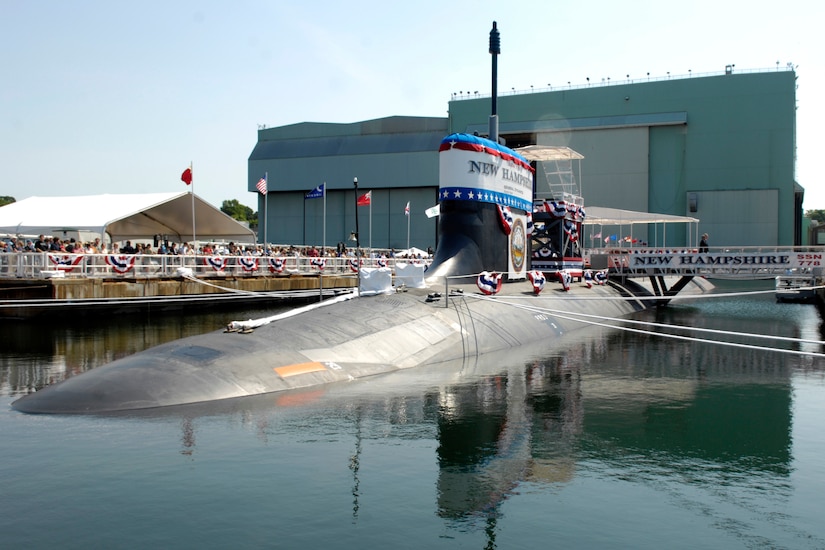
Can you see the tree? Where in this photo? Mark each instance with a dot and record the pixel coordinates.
(818, 215)
(4, 200)
(240, 212)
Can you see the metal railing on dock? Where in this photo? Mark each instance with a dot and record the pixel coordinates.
(44, 265)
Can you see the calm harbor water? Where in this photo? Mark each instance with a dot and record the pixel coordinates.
(607, 439)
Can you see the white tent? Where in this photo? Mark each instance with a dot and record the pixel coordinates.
(122, 217)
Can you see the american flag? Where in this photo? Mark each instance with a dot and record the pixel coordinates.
(407, 209)
(261, 186)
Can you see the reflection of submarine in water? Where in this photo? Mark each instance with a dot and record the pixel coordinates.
(486, 197)
(344, 339)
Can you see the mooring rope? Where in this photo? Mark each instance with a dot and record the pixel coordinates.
(579, 317)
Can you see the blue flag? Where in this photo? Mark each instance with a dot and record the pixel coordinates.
(316, 193)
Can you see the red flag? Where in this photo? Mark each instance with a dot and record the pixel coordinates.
(364, 200)
(186, 177)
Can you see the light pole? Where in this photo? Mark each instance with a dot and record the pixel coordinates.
(357, 241)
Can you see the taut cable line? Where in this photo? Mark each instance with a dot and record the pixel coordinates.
(581, 318)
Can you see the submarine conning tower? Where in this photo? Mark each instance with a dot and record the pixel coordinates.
(486, 198)
(482, 184)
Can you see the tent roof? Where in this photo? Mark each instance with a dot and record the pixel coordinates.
(546, 153)
(600, 215)
(131, 216)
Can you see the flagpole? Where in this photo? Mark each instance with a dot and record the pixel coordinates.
(324, 236)
(323, 246)
(192, 171)
(266, 204)
(370, 224)
(408, 227)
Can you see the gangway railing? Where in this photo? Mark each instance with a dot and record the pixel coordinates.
(719, 262)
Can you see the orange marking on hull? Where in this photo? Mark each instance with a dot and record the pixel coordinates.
(299, 368)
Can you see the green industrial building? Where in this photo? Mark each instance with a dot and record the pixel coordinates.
(717, 148)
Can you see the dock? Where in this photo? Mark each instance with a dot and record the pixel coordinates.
(38, 284)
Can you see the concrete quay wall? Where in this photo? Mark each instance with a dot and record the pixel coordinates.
(105, 288)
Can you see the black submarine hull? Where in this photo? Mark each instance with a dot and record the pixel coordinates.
(327, 343)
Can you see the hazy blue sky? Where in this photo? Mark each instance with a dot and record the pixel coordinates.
(110, 96)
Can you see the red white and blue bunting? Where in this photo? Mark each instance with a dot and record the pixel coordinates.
(353, 264)
(249, 263)
(601, 277)
(489, 283)
(565, 278)
(571, 230)
(537, 280)
(505, 216)
(318, 262)
(218, 263)
(588, 278)
(122, 263)
(65, 262)
(276, 265)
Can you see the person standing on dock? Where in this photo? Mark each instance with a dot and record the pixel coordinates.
(703, 244)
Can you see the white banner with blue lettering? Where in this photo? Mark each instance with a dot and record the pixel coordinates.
(472, 168)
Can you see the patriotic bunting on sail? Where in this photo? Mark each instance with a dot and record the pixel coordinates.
(121, 263)
(537, 280)
(65, 262)
(249, 263)
(571, 230)
(276, 265)
(318, 262)
(558, 209)
(489, 283)
(218, 263)
(506, 218)
(565, 278)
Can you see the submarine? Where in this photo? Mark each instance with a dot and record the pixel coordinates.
(486, 291)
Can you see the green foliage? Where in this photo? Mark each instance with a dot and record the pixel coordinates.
(240, 212)
(4, 200)
(818, 215)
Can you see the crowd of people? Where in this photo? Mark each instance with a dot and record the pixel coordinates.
(57, 245)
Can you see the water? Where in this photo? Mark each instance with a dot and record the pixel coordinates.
(610, 440)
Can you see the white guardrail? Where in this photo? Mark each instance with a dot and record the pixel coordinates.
(40, 265)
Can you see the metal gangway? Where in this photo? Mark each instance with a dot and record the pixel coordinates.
(746, 262)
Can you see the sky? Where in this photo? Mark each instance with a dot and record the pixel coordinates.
(100, 96)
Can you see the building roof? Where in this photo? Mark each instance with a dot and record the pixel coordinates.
(128, 216)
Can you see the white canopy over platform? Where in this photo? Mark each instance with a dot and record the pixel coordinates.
(122, 217)
(601, 215)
